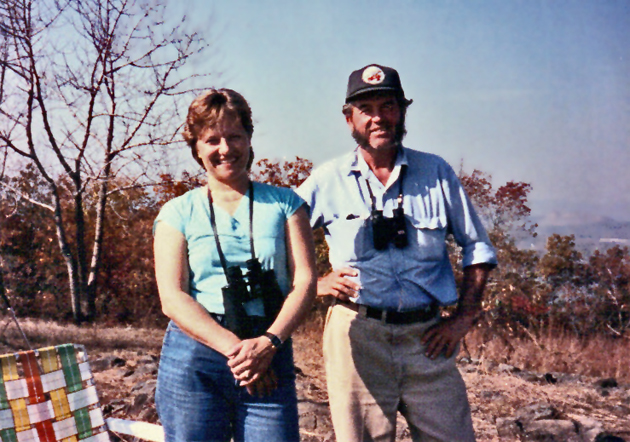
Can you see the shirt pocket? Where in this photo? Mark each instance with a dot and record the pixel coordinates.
(351, 239)
(428, 235)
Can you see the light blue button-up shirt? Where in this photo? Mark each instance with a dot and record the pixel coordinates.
(435, 205)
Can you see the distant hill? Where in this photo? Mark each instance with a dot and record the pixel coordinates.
(591, 232)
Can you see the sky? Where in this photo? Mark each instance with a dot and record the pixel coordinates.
(533, 90)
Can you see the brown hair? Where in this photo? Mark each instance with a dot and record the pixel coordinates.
(209, 108)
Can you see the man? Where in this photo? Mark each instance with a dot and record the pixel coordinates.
(386, 211)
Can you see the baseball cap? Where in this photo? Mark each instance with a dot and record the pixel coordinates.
(373, 78)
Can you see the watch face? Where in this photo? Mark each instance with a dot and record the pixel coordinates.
(275, 341)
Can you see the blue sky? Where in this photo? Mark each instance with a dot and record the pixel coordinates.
(535, 91)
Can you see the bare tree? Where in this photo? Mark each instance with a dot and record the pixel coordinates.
(92, 91)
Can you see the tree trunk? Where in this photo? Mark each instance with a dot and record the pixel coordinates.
(81, 261)
(96, 250)
(71, 265)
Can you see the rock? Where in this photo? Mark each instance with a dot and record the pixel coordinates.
(148, 414)
(142, 371)
(475, 361)
(552, 430)
(542, 422)
(126, 372)
(505, 368)
(489, 365)
(562, 378)
(588, 427)
(308, 422)
(468, 369)
(139, 403)
(528, 376)
(106, 363)
(147, 359)
(150, 368)
(535, 412)
(315, 419)
(550, 378)
(508, 428)
(114, 406)
(487, 395)
(147, 387)
(607, 383)
(608, 438)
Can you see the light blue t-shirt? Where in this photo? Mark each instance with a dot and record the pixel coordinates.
(434, 203)
(190, 214)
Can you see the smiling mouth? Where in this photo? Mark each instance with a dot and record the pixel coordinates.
(225, 161)
(380, 131)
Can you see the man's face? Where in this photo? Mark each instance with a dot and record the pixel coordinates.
(374, 121)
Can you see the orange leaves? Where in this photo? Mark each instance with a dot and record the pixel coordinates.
(282, 173)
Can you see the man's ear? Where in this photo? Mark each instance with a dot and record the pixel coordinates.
(349, 118)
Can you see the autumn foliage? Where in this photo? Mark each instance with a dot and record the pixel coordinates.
(528, 293)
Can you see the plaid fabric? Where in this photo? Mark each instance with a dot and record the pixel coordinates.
(48, 395)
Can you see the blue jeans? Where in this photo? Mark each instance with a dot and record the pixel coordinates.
(197, 397)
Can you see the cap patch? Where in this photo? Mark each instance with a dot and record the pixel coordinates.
(373, 75)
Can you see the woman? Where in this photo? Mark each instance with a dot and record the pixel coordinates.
(219, 381)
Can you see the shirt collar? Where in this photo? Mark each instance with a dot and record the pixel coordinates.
(356, 162)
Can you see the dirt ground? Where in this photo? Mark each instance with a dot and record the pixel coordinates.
(495, 391)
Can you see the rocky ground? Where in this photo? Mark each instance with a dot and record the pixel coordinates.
(507, 404)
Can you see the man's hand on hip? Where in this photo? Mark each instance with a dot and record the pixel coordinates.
(445, 336)
(336, 284)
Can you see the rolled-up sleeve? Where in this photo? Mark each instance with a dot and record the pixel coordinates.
(465, 224)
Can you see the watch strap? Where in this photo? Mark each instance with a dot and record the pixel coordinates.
(275, 341)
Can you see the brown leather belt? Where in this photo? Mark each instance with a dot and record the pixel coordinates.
(390, 316)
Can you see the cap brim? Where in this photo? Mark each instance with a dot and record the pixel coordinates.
(372, 90)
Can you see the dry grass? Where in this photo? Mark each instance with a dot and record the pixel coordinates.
(553, 352)
(95, 338)
(597, 356)
(556, 351)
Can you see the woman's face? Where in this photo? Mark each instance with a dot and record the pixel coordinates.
(224, 150)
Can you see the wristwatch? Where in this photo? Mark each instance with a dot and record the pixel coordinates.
(275, 341)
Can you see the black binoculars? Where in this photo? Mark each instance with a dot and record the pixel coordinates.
(241, 289)
(386, 230)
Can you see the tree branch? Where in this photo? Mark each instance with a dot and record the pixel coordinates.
(24, 196)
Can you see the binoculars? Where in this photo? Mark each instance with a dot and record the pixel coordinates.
(241, 289)
(386, 230)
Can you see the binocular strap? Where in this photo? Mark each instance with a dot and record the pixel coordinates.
(251, 226)
(400, 189)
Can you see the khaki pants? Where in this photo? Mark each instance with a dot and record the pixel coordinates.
(374, 370)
